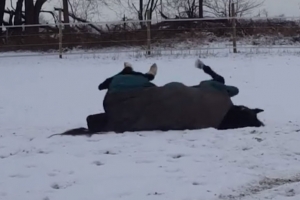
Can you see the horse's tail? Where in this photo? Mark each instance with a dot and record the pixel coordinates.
(75, 132)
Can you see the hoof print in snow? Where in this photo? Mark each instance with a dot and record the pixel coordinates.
(154, 193)
(52, 174)
(290, 193)
(109, 153)
(247, 148)
(173, 170)
(46, 198)
(98, 163)
(25, 151)
(6, 156)
(258, 139)
(144, 161)
(177, 156)
(42, 152)
(196, 183)
(18, 176)
(55, 186)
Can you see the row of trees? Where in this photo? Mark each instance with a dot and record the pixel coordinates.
(32, 12)
(26, 12)
(190, 8)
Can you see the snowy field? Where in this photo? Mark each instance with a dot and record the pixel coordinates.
(40, 96)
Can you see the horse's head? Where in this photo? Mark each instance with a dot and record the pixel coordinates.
(241, 117)
(248, 116)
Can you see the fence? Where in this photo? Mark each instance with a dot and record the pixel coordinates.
(154, 37)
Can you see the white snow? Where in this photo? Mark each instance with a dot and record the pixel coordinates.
(40, 96)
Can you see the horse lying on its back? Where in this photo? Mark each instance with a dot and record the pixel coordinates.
(236, 117)
(132, 103)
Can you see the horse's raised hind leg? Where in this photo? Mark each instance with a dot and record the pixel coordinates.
(208, 70)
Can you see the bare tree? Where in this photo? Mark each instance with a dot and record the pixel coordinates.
(183, 8)
(221, 8)
(86, 9)
(18, 13)
(32, 11)
(201, 5)
(144, 6)
(135, 8)
(66, 13)
(25, 12)
(28, 15)
(2, 8)
(263, 13)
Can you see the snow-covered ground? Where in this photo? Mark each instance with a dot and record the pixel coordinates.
(40, 96)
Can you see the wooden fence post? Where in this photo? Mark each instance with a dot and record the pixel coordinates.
(233, 15)
(60, 36)
(148, 33)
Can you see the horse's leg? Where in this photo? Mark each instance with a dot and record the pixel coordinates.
(208, 70)
(216, 77)
(150, 75)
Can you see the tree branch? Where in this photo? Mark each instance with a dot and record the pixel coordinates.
(85, 21)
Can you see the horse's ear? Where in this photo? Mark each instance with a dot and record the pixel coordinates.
(257, 110)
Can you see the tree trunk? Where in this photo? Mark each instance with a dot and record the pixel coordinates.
(18, 16)
(229, 10)
(152, 8)
(200, 8)
(2, 7)
(37, 10)
(66, 13)
(32, 13)
(29, 15)
(141, 11)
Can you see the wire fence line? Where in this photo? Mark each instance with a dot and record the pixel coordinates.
(232, 34)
